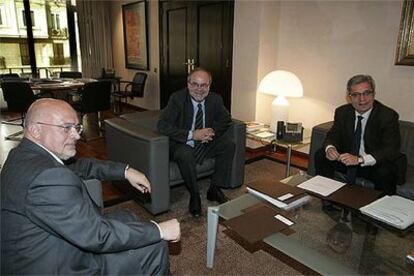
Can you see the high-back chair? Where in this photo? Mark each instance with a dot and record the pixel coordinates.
(94, 97)
(9, 76)
(134, 88)
(70, 75)
(18, 96)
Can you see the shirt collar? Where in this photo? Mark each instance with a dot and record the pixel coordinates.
(195, 103)
(51, 153)
(365, 115)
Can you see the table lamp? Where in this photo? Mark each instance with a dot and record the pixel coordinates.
(282, 84)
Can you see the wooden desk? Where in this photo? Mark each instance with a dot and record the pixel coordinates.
(59, 89)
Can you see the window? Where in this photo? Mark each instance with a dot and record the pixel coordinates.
(55, 21)
(24, 53)
(2, 16)
(31, 16)
(58, 55)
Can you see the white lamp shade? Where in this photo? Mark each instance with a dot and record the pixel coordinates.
(281, 83)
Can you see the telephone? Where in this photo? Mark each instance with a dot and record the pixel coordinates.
(289, 132)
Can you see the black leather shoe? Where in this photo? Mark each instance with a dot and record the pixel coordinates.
(195, 206)
(215, 194)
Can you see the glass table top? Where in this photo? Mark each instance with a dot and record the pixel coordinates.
(326, 245)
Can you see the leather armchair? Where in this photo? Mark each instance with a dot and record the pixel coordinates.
(133, 139)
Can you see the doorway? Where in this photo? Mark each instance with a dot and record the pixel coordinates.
(196, 34)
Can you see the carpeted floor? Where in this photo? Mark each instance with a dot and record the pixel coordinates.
(188, 257)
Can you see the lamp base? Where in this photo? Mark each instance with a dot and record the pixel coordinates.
(280, 112)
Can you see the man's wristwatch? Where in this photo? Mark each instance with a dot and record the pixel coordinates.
(360, 160)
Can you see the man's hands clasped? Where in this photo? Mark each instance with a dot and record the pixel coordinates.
(204, 135)
(346, 158)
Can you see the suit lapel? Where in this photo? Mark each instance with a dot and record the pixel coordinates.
(370, 122)
(188, 111)
(350, 125)
(208, 110)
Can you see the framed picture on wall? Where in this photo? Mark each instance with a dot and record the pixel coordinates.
(405, 44)
(134, 18)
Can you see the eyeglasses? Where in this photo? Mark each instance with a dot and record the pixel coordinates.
(365, 93)
(66, 127)
(198, 85)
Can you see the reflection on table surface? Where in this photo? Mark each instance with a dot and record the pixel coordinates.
(328, 245)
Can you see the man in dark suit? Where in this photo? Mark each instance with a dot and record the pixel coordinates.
(195, 119)
(369, 151)
(50, 225)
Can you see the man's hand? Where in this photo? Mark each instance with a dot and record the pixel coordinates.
(332, 154)
(170, 230)
(204, 135)
(348, 159)
(138, 180)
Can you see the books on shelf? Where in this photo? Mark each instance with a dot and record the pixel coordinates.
(280, 195)
(393, 210)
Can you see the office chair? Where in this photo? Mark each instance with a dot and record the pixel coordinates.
(134, 88)
(9, 76)
(70, 75)
(94, 98)
(19, 96)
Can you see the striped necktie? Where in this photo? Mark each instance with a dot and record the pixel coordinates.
(199, 148)
(356, 144)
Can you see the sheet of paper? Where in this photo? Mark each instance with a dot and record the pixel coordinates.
(393, 210)
(321, 185)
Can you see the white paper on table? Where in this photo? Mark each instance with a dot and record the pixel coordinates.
(321, 185)
(393, 210)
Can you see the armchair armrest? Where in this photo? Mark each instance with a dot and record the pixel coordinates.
(237, 133)
(146, 151)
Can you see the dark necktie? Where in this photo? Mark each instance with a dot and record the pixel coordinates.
(199, 148)
(356, 144)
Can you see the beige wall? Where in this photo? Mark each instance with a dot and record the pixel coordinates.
(323, 43)
(151, 94)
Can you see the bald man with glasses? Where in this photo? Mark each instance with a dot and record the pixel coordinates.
(195, 119)
(50, 225)
(364, 140)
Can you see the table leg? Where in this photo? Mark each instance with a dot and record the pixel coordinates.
(288, 159)
(212, 223)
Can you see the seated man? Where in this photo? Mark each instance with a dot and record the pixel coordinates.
(364, 140)
(195, 119)
(49, 223)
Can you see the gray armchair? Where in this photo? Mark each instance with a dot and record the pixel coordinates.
(133, 139)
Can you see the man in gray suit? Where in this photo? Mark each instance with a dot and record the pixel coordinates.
(50, 225)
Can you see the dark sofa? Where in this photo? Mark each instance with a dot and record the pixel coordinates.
(407, 147)
(133, 139)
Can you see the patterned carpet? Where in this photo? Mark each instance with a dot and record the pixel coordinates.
(188, 257)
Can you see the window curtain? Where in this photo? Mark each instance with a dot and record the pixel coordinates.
(94, 23)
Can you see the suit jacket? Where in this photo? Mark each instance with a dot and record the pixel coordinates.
(177, 117)
(381, 137)
(49, 223)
